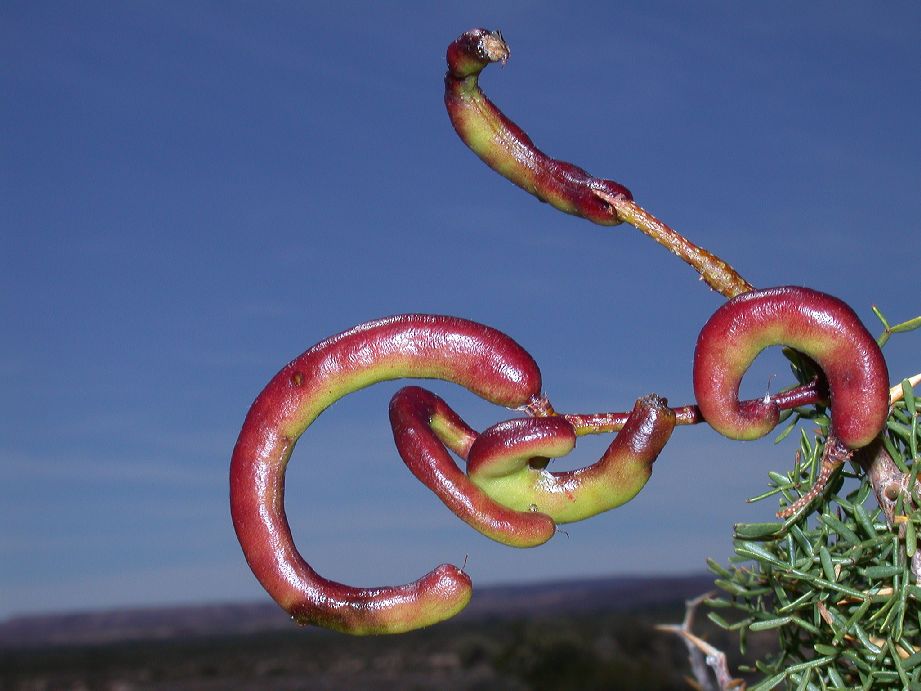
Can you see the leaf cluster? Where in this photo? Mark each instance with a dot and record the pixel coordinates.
(838, 581)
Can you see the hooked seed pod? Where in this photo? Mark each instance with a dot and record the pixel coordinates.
(505, 147)
(509, 462)
(507, 492)
(508, 150)
(423, 426)
(819, 325)
(481, 359)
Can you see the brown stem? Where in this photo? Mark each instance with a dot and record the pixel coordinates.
(834, 455)
(897, 394)
(714, 271)
(889, 483)
(602, 423)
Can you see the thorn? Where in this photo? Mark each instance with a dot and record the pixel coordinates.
(767, 393)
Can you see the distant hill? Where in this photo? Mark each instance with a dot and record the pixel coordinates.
(164, 623)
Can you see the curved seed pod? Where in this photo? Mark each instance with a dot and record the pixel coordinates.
(483, 360)
(423, 425)
(508, 462)
(503, 145)
(819, 325)
(505, 148)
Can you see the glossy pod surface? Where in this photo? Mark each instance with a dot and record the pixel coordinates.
(819, 325)
(501, 462)
(483, 360)
(505, 147)
(507, 492)
(424, 427)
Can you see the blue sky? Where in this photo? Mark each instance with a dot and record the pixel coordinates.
(194, 193)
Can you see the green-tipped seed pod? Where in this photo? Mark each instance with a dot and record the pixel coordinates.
(483, 360)
(505, 147)
(423, 425)
(508, 462)
(819, 325)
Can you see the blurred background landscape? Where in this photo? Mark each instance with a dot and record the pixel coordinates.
(592, 634)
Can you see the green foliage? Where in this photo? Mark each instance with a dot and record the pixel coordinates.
(837, 581)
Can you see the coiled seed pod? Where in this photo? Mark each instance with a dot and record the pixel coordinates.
(819, 325)
(505, 147)
(483, 360)
(509, 461)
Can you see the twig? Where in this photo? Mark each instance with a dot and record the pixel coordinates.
(897, 394)
(834, 454)
(889, 483)
(718, 274)
(701, 653)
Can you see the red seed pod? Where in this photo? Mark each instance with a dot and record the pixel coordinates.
(423, 426)
(483, 360)
(819, 325)
(505, 147)
(509, 462)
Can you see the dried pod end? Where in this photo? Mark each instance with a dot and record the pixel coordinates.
(475, 49)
